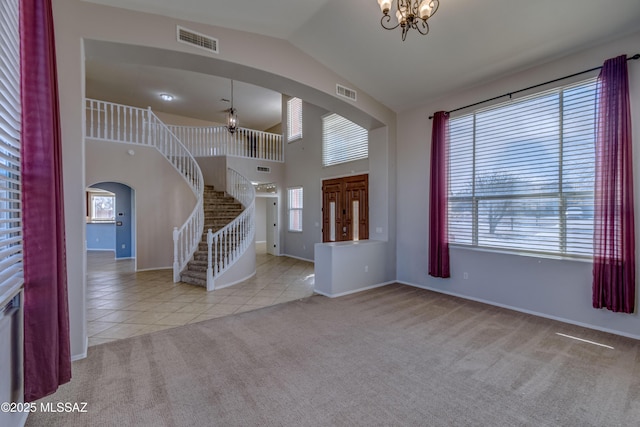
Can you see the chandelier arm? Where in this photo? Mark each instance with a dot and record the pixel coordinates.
(421, 26)
(435, 4)
(387, 18)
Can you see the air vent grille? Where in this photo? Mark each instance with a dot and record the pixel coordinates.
(196, 39)
(346, 92)
(264, 169)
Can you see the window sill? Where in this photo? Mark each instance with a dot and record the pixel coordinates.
(586, 259)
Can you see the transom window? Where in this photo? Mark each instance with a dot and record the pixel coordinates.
(343, 141)
(522, 173)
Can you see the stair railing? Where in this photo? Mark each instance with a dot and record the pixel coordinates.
(121, 123)
(225, 246)
(217, 141)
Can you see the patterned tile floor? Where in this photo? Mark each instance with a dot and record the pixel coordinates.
(122, 303)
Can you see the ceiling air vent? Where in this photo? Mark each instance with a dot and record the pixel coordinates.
(346, 92)
(196, 39)
(265, 169)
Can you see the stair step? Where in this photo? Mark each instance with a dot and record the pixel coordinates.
(194, 278)
(219, 210)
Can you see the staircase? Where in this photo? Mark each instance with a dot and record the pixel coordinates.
(221, 227)
(219, 210)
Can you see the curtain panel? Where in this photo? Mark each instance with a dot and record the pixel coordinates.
(438, 198)
(47, 359)
(614, 282)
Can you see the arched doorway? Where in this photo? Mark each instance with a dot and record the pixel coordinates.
(111, 220)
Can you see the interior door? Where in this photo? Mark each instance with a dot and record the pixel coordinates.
(272, 226)
(345, 209)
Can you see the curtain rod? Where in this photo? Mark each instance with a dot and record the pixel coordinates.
(510, 94)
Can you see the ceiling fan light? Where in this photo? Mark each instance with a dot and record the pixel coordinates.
(232, 120)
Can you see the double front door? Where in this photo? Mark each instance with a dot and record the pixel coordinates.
(345, 208)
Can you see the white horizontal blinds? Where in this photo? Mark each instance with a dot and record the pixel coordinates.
(343, 141)
(521, 173)
(294, 119)
(295, 209)
(10, 200)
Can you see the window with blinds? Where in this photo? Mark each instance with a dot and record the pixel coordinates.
(10, 205)
(343, 141)
(295, 208)
(521, 174)
(294, 119)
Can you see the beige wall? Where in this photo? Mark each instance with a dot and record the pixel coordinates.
(552, 287)
(163, 198)
(150, 39)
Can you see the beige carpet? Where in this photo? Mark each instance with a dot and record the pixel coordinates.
(389, 356)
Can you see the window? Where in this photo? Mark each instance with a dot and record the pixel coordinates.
(295, 208)
(343, 141)
(294, 119)
(522, 173)
(10, 178)
(102, 206)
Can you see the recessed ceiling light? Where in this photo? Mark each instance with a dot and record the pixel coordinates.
(166, 97)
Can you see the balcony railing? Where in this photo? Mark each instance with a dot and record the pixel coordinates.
(217, 141)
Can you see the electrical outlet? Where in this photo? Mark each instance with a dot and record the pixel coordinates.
(366, 268)
(123, 246)
(465, 275)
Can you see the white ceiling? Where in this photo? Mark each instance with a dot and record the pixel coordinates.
(470, 41)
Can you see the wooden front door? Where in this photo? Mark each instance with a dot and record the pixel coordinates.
(345, 209)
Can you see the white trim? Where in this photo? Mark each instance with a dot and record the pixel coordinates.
(345, 175)
(82, 355)
(522, 310)
(297, 257)
(154, 269)
(341, 294)
(226, 285)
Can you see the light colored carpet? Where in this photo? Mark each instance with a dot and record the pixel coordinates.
(390, 356)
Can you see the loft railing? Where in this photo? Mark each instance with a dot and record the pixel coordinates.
(121, 123)
(226, 245)
(217, 141)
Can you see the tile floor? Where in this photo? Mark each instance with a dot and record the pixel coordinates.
(122, 303)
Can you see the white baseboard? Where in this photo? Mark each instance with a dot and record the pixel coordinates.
(154, 269)
(522, 310)
(226, 285)
(82, 355)
(297, 257)
(341, 294)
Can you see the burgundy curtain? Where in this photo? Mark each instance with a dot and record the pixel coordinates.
(438, 200)
(614, 281)
(47, 358)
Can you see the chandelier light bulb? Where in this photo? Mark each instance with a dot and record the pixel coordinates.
(425, 9)
(385, 5)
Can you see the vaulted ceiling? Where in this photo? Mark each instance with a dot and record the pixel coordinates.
(470, 42)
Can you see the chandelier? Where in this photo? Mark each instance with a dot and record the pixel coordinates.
(409, 13)
(232, 115)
